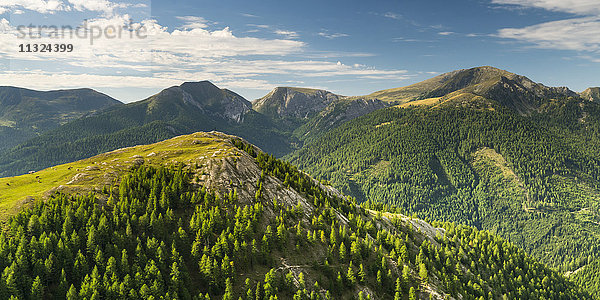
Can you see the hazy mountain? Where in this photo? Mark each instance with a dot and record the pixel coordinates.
(26, 113)
(294, 102)
(208, 215)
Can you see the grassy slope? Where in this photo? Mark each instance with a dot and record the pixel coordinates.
(103, 169)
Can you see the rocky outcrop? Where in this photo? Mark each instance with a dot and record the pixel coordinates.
(294, 102)
(591, 94)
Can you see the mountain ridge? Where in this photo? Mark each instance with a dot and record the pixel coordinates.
(190, 107)
(504, 88)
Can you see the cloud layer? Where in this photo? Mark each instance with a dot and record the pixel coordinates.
(160, 57)
(580, 33)
(579, 7)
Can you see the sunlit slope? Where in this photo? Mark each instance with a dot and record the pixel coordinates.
(94, 173)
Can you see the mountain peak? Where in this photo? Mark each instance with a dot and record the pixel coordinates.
(207, 97)
(591, 94)
(294, 102)
(199, 85)
(486, 85)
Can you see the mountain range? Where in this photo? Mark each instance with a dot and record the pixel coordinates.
(482, 147)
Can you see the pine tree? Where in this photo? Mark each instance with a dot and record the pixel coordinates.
(361, 274)
(351, 275)
(72, 293)
(412, 294)
(423, 272)
(342, 252)
(36, 289)
(228, 295)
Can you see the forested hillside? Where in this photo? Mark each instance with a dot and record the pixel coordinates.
(533, 180)
(232, 222)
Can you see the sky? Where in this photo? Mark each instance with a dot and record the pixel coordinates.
(132, 49)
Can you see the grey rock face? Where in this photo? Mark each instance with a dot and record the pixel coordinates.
(591, 94)
(294, 102)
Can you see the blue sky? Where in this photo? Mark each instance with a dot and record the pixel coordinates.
(348, 47)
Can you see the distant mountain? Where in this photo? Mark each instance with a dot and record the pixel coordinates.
(209, 98)
(591, 94)
(481, 87)
(210, 216)
(26, 113)
(294, 102)
(177, 110)
(312, 112)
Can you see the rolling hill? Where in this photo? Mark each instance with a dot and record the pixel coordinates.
(26, 113)
(208, 215)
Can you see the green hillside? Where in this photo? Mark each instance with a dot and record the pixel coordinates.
(209, 216)
(533, 180)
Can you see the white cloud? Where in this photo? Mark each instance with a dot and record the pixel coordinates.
(287, 33)
(581, 34)
(332, 35)
(193, 22)
(38, 79)
(446, 33)
(41, 6)
(579, 7)
(168, 57)
(392, 15)
(263, 26)
(94, 5)
(53, 6)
